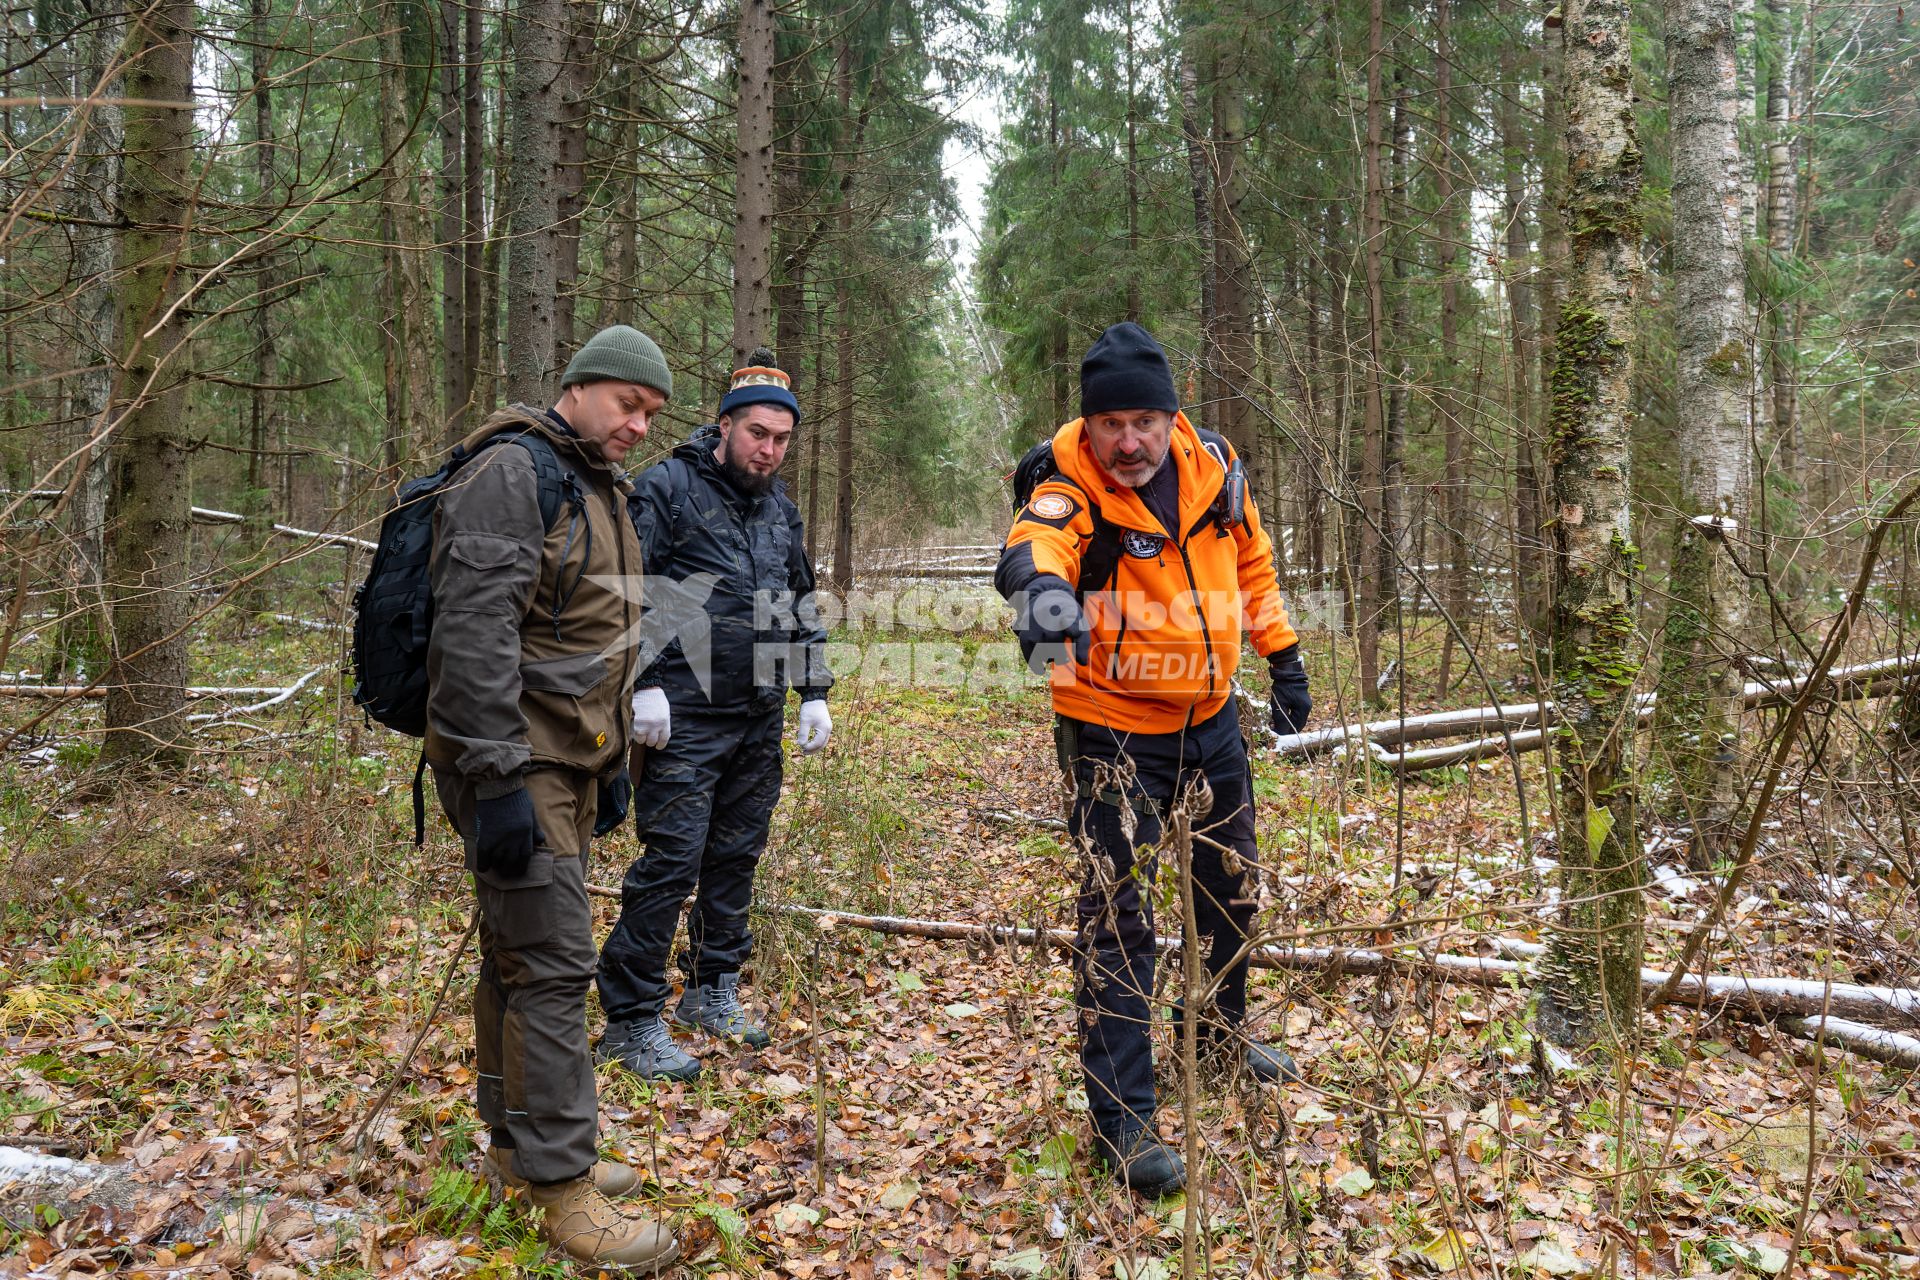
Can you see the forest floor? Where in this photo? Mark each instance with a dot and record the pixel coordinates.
(207, 986)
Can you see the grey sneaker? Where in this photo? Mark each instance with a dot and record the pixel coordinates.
(717, 1008)
(646, 1048)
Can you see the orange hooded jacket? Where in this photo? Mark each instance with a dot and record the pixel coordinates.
(1167, 628)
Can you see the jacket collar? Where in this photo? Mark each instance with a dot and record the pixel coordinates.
(565, 440)
(1201, 476)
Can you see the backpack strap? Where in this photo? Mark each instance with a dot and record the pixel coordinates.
(1101, 558)
(558, 489)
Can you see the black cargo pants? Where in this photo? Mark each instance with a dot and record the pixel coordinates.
(536, 961)
(703, 806)
(1114, 973)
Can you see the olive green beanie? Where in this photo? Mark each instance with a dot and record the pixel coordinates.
(624, 354)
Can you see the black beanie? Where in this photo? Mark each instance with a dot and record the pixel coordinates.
(1126, 369)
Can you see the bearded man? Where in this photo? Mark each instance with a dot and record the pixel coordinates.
(730, 625)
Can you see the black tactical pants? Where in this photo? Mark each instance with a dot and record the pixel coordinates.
(703, 805)
(1115, 972)
(536, 961)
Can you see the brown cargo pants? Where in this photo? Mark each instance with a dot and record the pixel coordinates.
(537, 960)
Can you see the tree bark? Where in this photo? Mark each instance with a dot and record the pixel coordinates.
(753, 182)
(149, 554)
(1200, 178)
(533, 195)
(1697, 730)
(477, 355)
(1452, 231)
(1529, 484)
(1372, 533)
(1590, 989)
(843, 386)
(94, 201)
(1784, 47)
(456, 382)
(1233, 272)
(576, 104)
(409, 372)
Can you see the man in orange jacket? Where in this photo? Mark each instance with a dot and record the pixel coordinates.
(1135, 567)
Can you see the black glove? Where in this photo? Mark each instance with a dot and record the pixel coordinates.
(616, 797)
(1292, 702)
(1050, 624)
(504, 834)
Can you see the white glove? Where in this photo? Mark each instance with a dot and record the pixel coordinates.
(816, 726)
(652, 718)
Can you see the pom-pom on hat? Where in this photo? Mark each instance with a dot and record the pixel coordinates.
(760, 382)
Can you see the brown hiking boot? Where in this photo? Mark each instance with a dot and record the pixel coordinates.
(591, 1229)
(610, 1178)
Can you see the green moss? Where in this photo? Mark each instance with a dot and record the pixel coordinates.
(1730, 361)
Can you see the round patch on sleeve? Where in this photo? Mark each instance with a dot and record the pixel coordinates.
(1051, 506)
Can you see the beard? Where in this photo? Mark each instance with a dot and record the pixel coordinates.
(747, 481)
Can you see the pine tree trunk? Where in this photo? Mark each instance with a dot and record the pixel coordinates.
(533, 195)
(753, 182)
(477, 350)
(456, 383)
(1233, 272)
(81, 643)
(576, 104)
(411, 411)
(843, 389)
(1451, 219)
(1372, 533)
(149, 559)
(1697, 721)
(1200, 177)
(1590, 983)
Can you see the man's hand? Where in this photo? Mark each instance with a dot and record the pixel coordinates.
(1051, 625)
(504, 834)
(616, 797)
(652, 718)
(1292, 701)
(816, 726)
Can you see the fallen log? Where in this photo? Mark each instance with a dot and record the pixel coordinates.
(1879, 678)
(208, 515)
(100, 691)
(1768, 996)
(1881, 1045)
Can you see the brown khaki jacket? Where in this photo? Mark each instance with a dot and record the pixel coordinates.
(532, 655)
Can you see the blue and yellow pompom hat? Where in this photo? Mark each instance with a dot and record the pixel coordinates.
(760, 382)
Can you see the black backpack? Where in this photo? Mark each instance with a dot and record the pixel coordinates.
(1101, 559)
(393, 608)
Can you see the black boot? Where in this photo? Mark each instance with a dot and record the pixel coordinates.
(1140, 1160)
(1267, 1063)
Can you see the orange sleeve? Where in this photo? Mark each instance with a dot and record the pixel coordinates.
(1049, 536)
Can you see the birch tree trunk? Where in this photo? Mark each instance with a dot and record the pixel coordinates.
(149, 552)
(532, 194)
(1697, 727)
(1590, 985)
(753, 183)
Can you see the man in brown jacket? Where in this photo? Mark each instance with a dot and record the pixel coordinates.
(531, 664)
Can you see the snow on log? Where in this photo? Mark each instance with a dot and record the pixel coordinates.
(1881, 1045)
(1879, 678)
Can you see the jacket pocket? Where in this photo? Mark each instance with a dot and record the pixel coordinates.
(482, 550)
(575, 675)
(571, 709)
